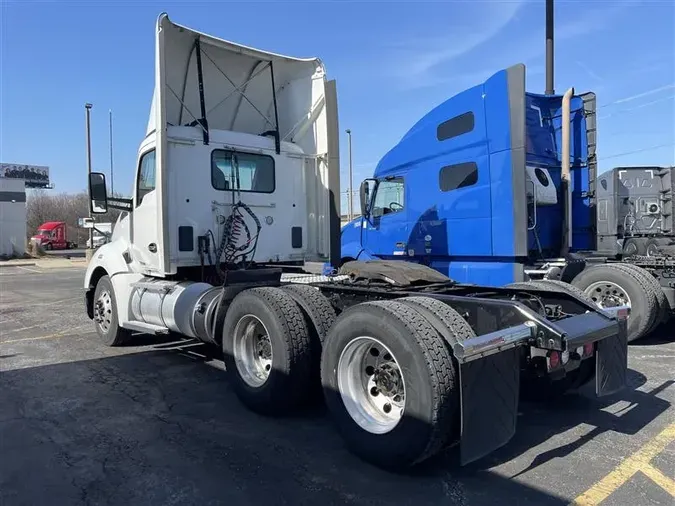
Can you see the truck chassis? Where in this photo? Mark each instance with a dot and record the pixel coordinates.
(409, 362)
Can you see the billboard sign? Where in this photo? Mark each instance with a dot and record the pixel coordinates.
(36, 176)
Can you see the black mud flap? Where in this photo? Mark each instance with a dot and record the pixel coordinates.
(489, 395)
(611, 362)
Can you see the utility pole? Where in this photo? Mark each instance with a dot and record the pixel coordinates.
(87, 108)
(112, 174)
(350, 212)
(549, 47)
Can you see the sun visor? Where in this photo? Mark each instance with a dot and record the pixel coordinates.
(239, 85)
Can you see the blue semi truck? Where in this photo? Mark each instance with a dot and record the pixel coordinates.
(497, 186)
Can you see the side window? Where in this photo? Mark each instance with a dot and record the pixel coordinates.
(389, 197)
(256, 172)
(461, 175)
(455, 127)
(146, 175)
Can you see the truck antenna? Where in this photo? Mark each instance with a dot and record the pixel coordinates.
(549, 47)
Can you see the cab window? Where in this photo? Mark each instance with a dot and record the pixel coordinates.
(389, 197)
(256, 172)
(146, 176)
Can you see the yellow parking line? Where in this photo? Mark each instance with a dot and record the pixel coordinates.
(659, 478)
(637, 462)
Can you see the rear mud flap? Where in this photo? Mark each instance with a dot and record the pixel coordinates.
(489, 397)
(611, 362)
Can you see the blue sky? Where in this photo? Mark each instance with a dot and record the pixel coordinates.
(393, 61)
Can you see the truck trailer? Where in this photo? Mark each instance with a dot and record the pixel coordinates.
(232, 237)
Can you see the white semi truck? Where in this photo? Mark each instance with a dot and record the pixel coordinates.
(231, 236)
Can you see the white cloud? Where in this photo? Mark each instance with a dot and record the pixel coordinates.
(643, 94)
(427, 66)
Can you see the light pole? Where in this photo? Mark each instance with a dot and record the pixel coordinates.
(549, 47)
(351, 182)
(87, 108)
(112, 176)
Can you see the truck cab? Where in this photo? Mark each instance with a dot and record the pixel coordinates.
(473, 188)
(53, 235)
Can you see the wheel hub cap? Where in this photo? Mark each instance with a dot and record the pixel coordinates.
(252, 350)
(608, 294)
(371, 385)
(103, 311)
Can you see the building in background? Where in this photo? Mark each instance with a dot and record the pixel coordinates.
(12, 217)
(34, 176)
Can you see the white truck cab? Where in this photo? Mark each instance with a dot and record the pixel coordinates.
(228, 125)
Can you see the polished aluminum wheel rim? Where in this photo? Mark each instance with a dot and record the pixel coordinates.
(371, 384)
(103, 311)
(252, 350)
(607, 294)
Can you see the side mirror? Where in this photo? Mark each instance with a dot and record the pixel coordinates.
(365, 194)
(98, 193)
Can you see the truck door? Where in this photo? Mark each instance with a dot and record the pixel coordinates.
(146, 245)
(386, 230)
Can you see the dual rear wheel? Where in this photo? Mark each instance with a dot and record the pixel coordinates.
(387, 372)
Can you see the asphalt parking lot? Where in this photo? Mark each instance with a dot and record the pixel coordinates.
(157, 424)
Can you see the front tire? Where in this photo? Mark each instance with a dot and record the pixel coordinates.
(389, 384)
(105, 315)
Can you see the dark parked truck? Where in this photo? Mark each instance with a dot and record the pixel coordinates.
(233, 232)
(635, 211)
(53, 235)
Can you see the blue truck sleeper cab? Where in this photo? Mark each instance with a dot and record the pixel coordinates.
(453, 193)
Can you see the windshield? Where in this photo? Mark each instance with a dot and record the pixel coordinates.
(48, 233)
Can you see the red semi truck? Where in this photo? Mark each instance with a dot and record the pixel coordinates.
(53, 235)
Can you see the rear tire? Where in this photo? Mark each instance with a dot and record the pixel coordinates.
(319, 317)
(554, 284)
(634, 247)
(453, 329)
(105, 315)
(654, 288)
(653, 248)
(412, 363)
(609, 286)
(267, 351)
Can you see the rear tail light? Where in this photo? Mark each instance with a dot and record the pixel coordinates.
(588, 349)
(553, 360)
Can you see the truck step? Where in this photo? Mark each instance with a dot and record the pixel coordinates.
(146, 328)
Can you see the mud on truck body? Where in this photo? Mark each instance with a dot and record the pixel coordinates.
(232, 237)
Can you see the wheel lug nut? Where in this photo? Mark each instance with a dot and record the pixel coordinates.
(387, 408)
(374, 391)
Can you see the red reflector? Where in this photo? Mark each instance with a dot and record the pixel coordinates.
(554, 359)
(588, 349)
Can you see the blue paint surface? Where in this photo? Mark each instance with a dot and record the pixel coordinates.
(468, 233)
